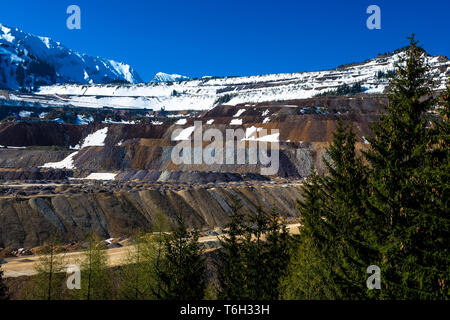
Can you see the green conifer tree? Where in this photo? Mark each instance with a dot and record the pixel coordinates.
(181, 272)
(231, 265)
(406, 190)
(334, 247)
(254, 256)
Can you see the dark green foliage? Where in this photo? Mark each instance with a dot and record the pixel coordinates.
(334, 250)
(223, 99)
(117, 81)
(344, 90)
(3, 289)
(20, 75)
(181, 273)
(391, 212)
(268, 254)
(388, 74)
(408, 184)
(343, 216)
(42, 69)
(255, 256)
(231, 266)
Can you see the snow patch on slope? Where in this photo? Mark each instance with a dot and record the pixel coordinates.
(66, 163)
(96, 139)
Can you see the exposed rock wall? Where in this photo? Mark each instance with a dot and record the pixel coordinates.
(28, 221)
(21, 158)
(21, 134)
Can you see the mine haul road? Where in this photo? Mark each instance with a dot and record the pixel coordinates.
(24, 266)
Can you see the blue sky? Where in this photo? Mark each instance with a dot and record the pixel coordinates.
(229, 37)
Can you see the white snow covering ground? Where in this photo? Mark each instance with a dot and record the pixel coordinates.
(108, 120)
(101, 176)
(238, 114)
(96, 139)
(254, 134)
(66, 163)
(181, 122)
(202, 94)
(24, 114)
(236, 122)
(184, 134)
(12, 147)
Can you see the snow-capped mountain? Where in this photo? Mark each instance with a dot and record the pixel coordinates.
(200, 94)
(164, 77)
(28, 61)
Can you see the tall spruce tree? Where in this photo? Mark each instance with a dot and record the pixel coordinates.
(182, 270)
(433, 236)
(408, 187)
(334, 245)
(344, 215)
(254, 256)
(271, 253)
(231, 265)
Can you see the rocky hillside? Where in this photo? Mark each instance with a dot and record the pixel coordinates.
(25, 221)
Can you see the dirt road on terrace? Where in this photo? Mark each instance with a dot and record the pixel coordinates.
(24, 266)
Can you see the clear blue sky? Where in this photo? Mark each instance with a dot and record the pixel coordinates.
(229, 37)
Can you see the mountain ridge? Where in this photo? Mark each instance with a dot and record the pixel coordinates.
(371, 77)
(28, 61)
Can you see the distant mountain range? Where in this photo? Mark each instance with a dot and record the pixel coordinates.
(164, 77)
(28, 61)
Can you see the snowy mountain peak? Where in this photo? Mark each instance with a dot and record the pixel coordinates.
(165, 77)
(28, 61)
